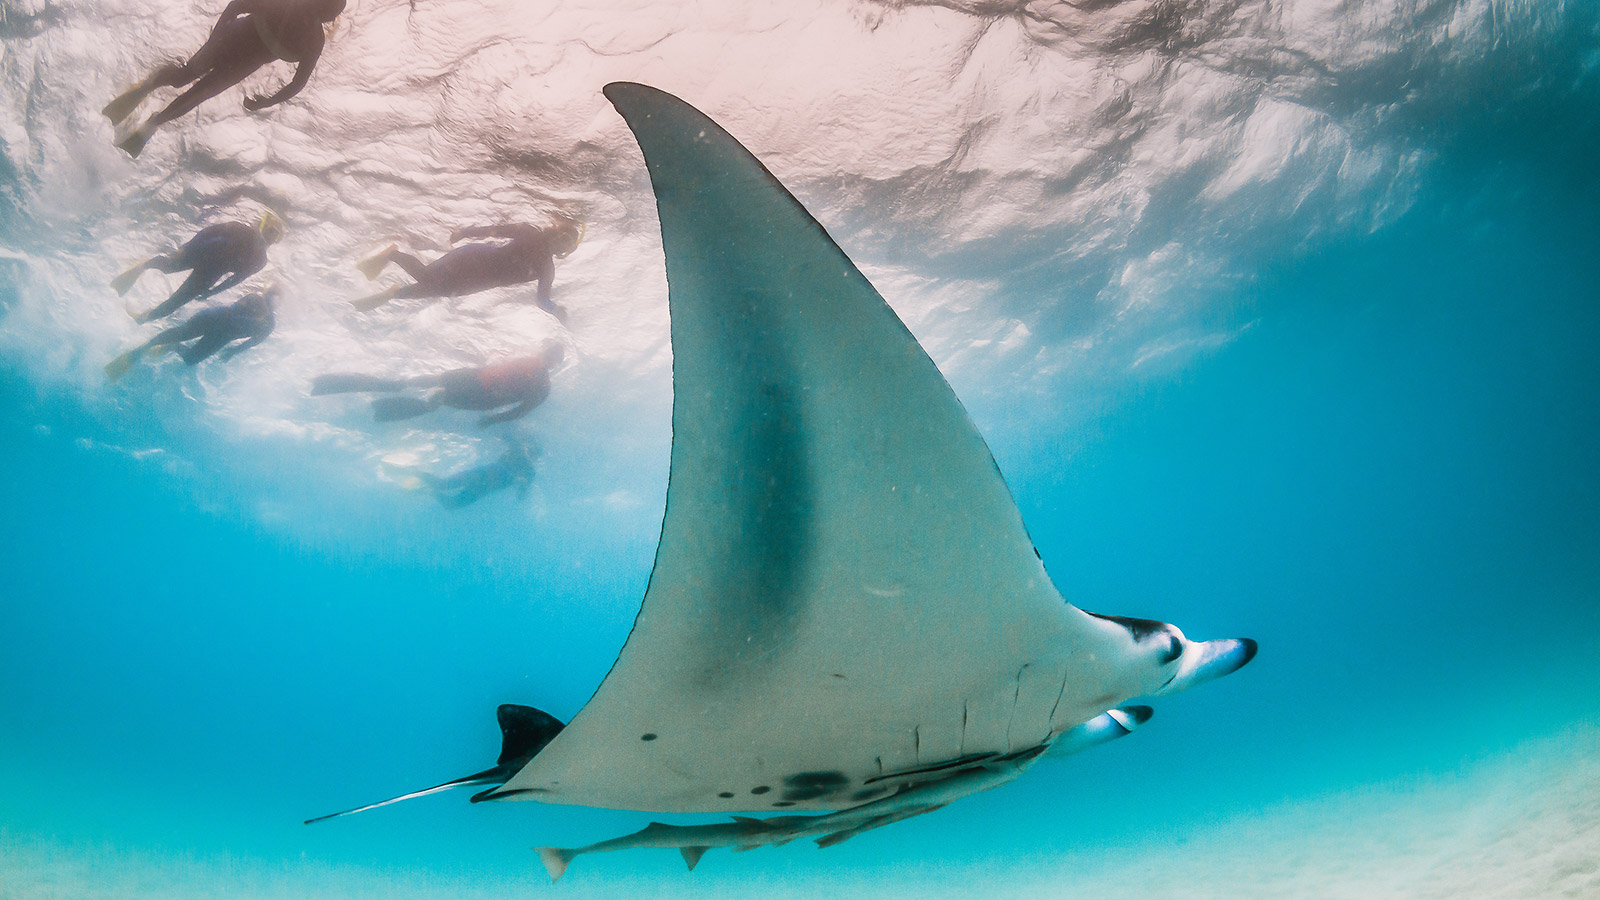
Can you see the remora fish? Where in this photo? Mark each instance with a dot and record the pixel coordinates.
(745, 833)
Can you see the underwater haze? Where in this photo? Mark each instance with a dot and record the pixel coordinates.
(1280, 319)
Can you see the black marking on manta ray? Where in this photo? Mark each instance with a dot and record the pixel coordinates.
(781, 803)
(1029, 753)
(812, 785)
(650, 736)
(725, 794)
(957, 763)
(1144, 629)
(497, 794)
(1065, 673)
(769, 555)
(1016, 698)
(762, 789)
(1139, 628)
(869, 793)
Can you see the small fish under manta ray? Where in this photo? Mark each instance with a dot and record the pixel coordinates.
(846, 613)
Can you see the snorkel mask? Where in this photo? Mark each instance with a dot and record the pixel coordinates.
(270, 227)
(581, 227)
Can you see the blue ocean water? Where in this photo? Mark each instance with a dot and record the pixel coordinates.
(1388, 479)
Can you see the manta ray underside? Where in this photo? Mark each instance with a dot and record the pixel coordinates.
(846, 612)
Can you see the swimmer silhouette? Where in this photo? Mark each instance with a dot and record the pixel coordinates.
(248, 320)
(248, 35)
(513, 388)
(525, 253)
(218, 257)
(514, 468)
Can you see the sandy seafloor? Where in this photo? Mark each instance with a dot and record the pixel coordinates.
(1280, 318)
(1522, 824)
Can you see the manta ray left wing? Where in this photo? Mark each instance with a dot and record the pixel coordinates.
(844, 598)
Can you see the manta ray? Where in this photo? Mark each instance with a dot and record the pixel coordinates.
(846, 613)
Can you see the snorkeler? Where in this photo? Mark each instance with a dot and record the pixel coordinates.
(513, 469)
(219, 257)
(518, 385)
(248, 320)
(248, 35)
(526, 253)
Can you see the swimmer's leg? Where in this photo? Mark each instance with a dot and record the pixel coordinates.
(416, 268)
(193, 287)
(398, 292)
(211, 84)
(193, 328)
(444, 490)
(390, 409)
(168, 75)
(226, 59)
(207, 345)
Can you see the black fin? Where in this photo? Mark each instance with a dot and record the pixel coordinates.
(524, 732)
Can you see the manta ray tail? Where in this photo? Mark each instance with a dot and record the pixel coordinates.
(524, 731)
(556, 860)
(488, 776)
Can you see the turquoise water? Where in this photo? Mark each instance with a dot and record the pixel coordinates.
(1388, 479)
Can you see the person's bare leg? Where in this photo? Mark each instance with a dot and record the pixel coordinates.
(227, 58)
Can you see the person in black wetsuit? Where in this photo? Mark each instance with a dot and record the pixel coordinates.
(513, 388)
(248, 320)
(218, 257)
(248, 35)
(525, 253)
(513, 469)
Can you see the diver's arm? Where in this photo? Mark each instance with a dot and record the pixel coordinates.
(472, 231)
(302, 74)
(547, 278)
(513, 232)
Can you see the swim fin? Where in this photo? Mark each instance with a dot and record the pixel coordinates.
(119, 367)
(389, 409)
(124, 282)
(373, 265)
(347, 383)
(127, 101)
(375, 300)
(134, 143)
